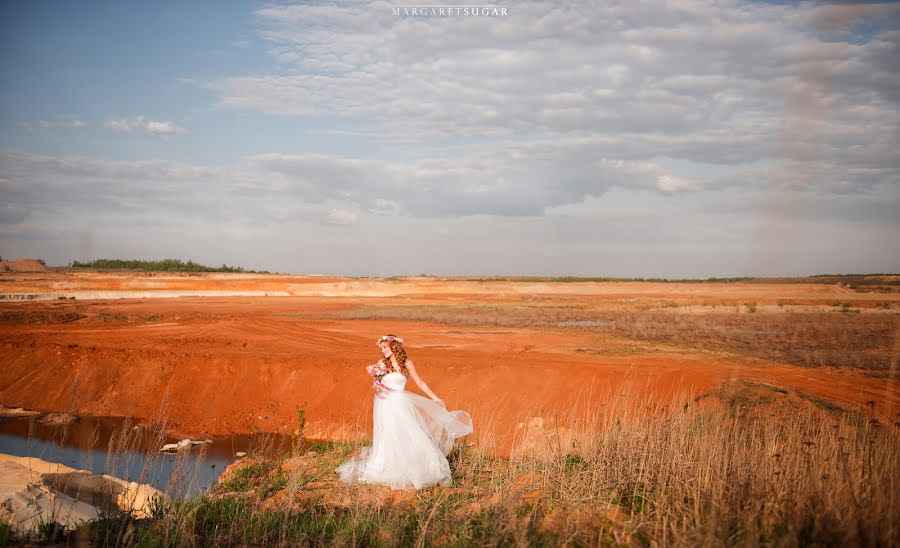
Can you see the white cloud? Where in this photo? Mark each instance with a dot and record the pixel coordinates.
(508, 180)
(122, 125)
(62, 123)
(564, 138)
(127, 125)
(721, 83)
(341, 217)
(77, 185)
(384, 207)
(668, 183)
(164, 128)
(631, 229)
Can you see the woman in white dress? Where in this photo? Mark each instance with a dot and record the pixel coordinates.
(411, 434)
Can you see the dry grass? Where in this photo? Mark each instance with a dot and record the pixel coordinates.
(807, 338)
(746, 465)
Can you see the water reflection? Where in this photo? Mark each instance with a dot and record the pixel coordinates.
(113, 445)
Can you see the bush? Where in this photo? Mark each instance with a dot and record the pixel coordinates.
(164, 265)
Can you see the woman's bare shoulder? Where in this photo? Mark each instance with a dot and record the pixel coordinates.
(410, 364)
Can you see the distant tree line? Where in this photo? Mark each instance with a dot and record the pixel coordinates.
(164, 265)
(861, 279)
(564, 279)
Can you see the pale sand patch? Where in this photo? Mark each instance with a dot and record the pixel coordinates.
(17, 412)
(34, 491)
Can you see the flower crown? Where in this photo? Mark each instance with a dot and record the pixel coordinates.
(389, 338)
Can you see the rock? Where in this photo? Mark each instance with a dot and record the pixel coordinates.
(186, 443)
(33, 491)
(16, 412)
(105, 492)
(26, 502)
(58, 418)
(173, 447)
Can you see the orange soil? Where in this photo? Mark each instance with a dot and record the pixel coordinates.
(24, 265)
(216, 365)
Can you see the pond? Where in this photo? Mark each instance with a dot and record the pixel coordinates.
(115, 446)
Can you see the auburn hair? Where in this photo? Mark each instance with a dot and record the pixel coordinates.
(400, 353)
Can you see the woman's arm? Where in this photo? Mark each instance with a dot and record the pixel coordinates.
(421, 383)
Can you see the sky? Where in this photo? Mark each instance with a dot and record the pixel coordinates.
(679, 139)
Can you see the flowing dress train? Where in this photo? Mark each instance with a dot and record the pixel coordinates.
(411, 437)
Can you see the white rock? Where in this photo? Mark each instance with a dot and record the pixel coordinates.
(33, 491)
(183, 444)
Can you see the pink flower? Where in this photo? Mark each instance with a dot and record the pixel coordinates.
(377, 371)
(389, 339)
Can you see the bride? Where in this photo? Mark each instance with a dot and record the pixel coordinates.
(411, 434)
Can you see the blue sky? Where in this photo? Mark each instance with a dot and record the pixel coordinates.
(93, 61)
(680, 139)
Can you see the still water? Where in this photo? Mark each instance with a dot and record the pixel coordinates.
(112, 445)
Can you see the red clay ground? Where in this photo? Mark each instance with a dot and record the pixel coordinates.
(217, 365)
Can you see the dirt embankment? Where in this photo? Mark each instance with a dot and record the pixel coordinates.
(216, 366)
(24, 265)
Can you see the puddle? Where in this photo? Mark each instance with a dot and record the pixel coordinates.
(111, 445)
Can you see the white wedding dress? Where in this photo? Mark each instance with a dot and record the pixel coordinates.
(411, 436)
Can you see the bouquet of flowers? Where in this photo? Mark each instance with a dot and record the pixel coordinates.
(378, 370)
